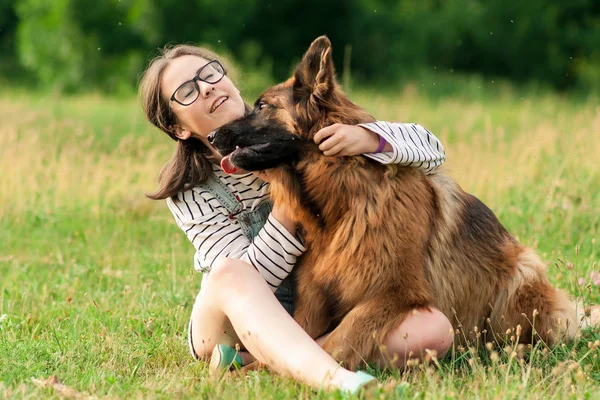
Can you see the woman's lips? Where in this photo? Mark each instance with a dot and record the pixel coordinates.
(218, 103)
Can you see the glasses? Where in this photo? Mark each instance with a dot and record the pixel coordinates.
(188, 91)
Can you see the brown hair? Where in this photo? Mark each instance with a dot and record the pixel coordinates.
(190, 165)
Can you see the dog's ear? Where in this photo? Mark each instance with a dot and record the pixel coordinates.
(314, 77)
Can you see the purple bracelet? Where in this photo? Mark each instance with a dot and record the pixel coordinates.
(382, 144)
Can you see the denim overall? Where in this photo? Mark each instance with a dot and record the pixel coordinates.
(251, 223)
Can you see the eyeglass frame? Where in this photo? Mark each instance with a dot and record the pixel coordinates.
(195, 80)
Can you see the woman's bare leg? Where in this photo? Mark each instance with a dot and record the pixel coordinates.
(419, 331)
(236, 299)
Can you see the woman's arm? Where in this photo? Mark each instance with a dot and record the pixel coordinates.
(273, 252)
(410, 145)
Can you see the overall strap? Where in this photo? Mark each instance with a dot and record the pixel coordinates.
(218, 189)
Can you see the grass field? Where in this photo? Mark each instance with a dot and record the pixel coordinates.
(96, 281)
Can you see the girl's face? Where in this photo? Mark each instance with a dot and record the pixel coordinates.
(216, 105)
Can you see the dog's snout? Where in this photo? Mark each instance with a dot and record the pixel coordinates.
(211, 137)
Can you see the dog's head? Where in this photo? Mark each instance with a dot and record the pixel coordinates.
(285, 117)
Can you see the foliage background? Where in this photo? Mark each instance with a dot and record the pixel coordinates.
(79, 44)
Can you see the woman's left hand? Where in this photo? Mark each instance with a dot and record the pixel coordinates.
(346, 140)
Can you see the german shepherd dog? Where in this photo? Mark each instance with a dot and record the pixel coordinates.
(384, 240)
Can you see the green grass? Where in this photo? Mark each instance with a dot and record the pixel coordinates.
(97, 281)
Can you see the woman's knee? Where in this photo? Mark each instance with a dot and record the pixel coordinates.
(227, 273)
(441, 333)
(421, 331)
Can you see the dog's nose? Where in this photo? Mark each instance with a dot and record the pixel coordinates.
(211, 137)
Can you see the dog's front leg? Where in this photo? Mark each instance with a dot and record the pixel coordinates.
(311, 311)
(359, 338)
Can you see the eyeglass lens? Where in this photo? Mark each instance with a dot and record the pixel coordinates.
(188, 92)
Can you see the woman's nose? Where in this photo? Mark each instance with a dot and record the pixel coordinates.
(206, 89)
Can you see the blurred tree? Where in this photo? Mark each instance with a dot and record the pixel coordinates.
(71, 48)
(8, 26)
(286, 28)
(552, 41)
(536, 38)
(67, 45)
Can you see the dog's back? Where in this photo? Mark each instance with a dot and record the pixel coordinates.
(483, 279)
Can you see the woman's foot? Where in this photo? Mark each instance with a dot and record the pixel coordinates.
(357, 383)
(223, 359)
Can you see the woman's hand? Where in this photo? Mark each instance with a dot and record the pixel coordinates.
(347, 140)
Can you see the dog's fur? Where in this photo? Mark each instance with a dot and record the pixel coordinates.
(384, 239)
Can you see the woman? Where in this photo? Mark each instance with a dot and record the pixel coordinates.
(245, 246)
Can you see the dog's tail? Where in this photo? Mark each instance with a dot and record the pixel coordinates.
(531, 309)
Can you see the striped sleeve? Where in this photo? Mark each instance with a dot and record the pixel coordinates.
(273, 252)
(412, 145)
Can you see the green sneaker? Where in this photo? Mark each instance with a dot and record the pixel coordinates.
(355, 384)
(224, 358)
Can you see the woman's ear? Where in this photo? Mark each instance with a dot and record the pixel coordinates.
(182, 133)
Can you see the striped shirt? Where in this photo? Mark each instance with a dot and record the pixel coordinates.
(412, 146)
(274, 251)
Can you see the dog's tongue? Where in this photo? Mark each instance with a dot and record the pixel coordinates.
(227, 166)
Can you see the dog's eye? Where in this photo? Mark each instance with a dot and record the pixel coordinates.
(262, 105)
